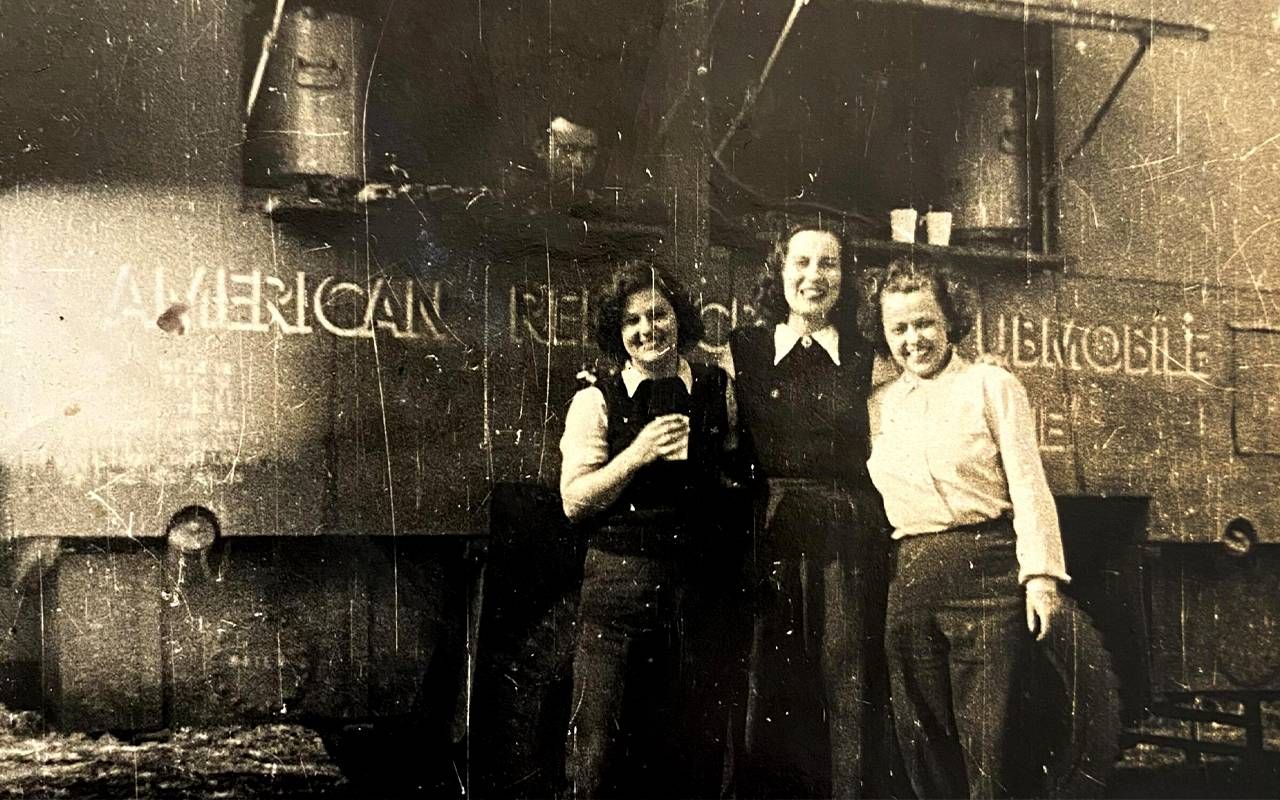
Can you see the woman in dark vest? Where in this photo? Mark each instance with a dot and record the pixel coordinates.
(641, 456)
(802, 382)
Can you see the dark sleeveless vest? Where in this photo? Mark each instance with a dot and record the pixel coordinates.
(664, 499)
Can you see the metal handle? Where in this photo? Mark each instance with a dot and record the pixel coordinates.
(324, 74)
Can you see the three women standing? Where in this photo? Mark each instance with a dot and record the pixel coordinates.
(802, 383)
(949, 444)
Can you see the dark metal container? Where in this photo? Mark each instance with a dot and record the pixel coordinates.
(987, 173)
(307, 118)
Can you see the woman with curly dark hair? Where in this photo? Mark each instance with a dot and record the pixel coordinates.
(802, 381)
(642, 452)
(978, 551)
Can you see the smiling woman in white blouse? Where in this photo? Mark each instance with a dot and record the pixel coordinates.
(978, 555)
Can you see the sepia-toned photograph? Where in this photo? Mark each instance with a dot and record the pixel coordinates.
(639, 399)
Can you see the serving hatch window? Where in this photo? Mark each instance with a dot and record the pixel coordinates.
(931, 104)
(871, 107)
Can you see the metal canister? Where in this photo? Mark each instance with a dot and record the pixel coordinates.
(307, 120)
(987, 173)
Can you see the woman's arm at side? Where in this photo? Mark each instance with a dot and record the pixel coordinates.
(740, 466)
(1041, 563)
(1035, 516)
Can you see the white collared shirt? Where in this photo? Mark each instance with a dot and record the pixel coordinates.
(633, 377)
(958, 449)
(785, 339)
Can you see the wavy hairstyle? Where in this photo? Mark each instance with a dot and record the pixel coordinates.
(956, 298)
(771, 301)
(639, 276)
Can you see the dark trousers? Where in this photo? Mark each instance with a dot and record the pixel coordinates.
(955, 638)
(816, 695)
(808, 687)
(646, 718)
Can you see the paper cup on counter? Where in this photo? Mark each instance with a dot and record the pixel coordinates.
(937, 227)
(902, 223)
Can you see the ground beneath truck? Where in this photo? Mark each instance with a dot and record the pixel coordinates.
(290, 761)
(231, 762)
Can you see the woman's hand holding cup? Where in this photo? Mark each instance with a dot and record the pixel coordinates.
(666, 437)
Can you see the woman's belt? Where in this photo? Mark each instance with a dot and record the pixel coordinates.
(644, 533)
(1002, 524)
